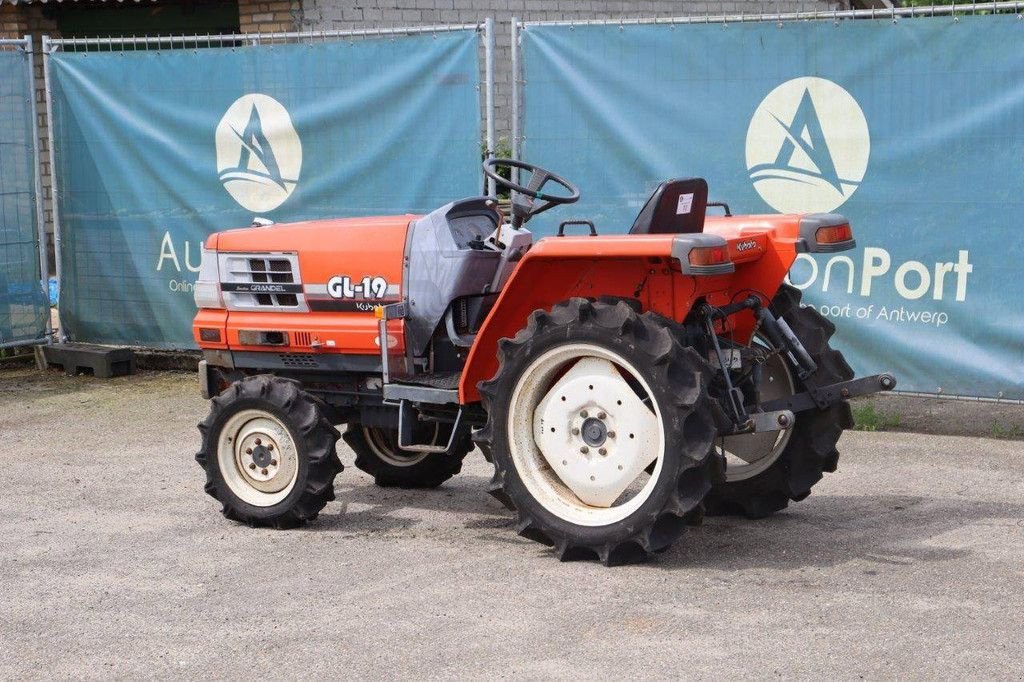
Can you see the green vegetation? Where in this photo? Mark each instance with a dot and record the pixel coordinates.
(502, 150)
(12, 356)
(867, 417)
(1007, 432)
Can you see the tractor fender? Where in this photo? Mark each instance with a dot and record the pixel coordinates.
(636, 268)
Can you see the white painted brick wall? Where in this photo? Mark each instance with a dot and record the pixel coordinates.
(319, 15)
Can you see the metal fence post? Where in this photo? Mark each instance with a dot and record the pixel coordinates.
(489, 94)
(515, 89)
(44, 260)
(48, 47)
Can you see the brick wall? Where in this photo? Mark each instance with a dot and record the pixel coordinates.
(275, 16)
(11, 23)
(319, 15)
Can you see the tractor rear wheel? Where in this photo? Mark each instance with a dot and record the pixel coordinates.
(269, 452)
(601, 431)
(765, 471)
(378, 454)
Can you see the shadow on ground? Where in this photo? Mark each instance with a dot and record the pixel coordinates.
(824, 530)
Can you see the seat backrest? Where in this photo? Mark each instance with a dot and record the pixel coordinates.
(675, 207)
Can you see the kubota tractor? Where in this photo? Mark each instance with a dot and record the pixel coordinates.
(621, 385)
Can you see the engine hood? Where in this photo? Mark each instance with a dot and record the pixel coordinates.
(345, 265)
(308, 235)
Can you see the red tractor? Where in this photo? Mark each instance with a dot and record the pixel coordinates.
(623, 386)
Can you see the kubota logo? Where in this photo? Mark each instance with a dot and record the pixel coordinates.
(807, 146)
(259, 154)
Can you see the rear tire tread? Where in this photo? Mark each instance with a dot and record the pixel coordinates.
(430, 472)
(811, 451)
(667, 363)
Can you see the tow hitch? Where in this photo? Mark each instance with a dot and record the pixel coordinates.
(826, 396)
(776, 415)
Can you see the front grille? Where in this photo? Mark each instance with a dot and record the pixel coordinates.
(240, 270)
(298, 360)
(273, 270)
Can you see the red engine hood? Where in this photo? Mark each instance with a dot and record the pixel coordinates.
(308, 235)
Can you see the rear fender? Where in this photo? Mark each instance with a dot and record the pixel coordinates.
(781, 238)
(556, 269)
(651, 269)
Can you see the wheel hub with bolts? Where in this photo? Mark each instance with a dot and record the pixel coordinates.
(594, 431)
(576, 425)
(261, 456)
(258, 457)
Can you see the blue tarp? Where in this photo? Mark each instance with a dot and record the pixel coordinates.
(914, 130)
(156, 150)
(23, 306)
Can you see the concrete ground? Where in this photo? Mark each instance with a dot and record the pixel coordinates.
(908, 562)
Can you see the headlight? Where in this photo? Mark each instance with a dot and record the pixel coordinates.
(207, 289)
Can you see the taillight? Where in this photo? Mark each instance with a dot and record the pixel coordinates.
(824, 233)
(708, 255)
(702, 254)
(833, 234)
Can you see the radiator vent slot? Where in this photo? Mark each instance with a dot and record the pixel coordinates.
(256, 276)
(298, 360)
(303, 339)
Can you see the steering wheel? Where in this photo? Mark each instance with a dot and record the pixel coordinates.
(522, 202)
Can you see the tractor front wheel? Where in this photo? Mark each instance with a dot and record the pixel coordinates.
(378, 454)
(601, 431)
(268, 452)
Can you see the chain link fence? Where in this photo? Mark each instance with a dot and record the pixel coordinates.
(24, 302)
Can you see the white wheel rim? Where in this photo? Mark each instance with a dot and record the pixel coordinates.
(751, 454)
(257, 458)
(384, 444)
(585, 488)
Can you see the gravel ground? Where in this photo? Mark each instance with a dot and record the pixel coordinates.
(941, 416)
(908, 562)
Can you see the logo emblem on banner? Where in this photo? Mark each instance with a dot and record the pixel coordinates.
(807, 146)
(259, 154)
